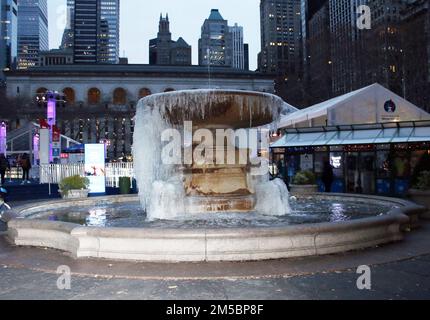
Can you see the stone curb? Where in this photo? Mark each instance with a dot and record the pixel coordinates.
(164, 245)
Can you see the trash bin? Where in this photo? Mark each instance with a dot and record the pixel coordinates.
(124, 185)
(134, 186)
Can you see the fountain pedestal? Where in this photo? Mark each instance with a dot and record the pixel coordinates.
(206, 184)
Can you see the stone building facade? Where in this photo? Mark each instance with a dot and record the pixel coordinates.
(101, 99)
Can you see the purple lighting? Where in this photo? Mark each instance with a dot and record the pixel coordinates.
(51, 114)
(3, 135)
(36, 140)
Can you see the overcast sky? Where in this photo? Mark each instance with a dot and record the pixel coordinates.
(139, 23)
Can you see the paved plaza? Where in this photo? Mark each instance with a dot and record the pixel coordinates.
(399, 271)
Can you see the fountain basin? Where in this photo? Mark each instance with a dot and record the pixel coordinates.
(217, 108)
(209, 244)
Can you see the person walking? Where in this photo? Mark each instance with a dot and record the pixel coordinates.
(4, 165)
(327, 176)
(26, 166)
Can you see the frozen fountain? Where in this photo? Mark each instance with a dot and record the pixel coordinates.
(184, 185)
(192, 208)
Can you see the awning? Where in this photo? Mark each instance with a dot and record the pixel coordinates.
(354, 135)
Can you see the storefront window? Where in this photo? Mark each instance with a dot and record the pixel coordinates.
(416, 157)
(320, 158)
(307, 162)
(367, 172)
(401, 164)
(383, 172)
(383, 164)
(337, 162)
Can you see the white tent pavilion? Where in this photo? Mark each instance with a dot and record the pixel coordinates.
(369, 105)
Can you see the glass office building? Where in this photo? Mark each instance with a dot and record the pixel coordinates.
(85, 31)
(8, 35)
(32, 31)
(109, 32)
(96, 31)
(215, 45)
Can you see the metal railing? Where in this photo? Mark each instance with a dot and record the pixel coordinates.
(54, 173)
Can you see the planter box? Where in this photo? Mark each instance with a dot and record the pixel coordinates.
(303, 189)
(75, 194)
(421, 197)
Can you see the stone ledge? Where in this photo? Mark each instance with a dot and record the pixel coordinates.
(170, 245)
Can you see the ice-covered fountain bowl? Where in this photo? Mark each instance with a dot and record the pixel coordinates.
(94, 233)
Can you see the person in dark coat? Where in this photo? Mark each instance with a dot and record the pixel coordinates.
(328, 176)
(26, 166)
(4, 165)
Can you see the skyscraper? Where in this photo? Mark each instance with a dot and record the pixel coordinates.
(347, 46)
(415, 27)
(164, 51)
(159, 48)
(8, 35)
(383, 59)
(85, 33)
(238, 47)
(318, 59)
(32, 31)
(109, 12)
(215, 45)
(281, 46)
(308, 9)
(67, 40)
(96, 31)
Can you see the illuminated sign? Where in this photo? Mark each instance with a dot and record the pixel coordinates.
(95, 167)
(336, 161)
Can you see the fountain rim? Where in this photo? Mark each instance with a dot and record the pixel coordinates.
(216, 91)
(225, 244)
(27, 211)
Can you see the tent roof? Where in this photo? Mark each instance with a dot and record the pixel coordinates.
(356, 97)
(402, 132)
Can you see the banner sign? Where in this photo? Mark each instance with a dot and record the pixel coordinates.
(44, 146)
(95, 167)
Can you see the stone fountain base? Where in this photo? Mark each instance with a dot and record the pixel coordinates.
(197, 205)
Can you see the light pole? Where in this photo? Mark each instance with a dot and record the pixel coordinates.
(3, 136)
(50, 99)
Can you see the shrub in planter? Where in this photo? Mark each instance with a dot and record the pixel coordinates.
(74, 187)
(304, 182)
(423, 181)
(304, 178)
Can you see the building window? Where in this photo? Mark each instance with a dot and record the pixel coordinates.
(94, 96)
(70, 95)
(144, 92)
(119, 96)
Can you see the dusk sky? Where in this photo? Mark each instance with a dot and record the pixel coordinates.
(139, 23)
